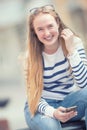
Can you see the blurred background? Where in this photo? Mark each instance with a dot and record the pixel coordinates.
(13, 35)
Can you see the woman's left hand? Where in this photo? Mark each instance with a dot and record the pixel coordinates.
(68, 37)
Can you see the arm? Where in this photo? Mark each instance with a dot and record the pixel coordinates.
(58, 113)
(76, 56)
(45, 108)
(78, 62)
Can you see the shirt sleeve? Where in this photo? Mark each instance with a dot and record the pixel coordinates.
(78, 62)
(45, 108)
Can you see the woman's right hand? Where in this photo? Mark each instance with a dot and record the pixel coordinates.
(63, 116)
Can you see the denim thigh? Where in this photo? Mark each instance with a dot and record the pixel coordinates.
(41, 122)
(78, 98)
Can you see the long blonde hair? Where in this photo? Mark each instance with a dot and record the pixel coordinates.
(34, 61)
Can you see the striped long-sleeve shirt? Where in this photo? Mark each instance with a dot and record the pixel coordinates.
(59, 78)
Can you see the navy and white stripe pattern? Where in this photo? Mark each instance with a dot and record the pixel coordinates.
(59, 80)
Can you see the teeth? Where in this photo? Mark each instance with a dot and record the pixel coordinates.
(49, 38)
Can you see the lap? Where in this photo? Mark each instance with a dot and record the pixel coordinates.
(41, 122)
(75, 97)
(79, 99)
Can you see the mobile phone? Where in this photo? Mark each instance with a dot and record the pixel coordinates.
(73, 108)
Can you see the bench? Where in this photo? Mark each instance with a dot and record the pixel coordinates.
(75, 125)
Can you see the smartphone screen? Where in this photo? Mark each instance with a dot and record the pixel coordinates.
(73, 108)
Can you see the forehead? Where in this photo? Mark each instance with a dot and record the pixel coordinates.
(43, 19)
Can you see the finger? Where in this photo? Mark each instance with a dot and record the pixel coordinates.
(63, 36)
(62, 109)
(68, 31)
(71, 115)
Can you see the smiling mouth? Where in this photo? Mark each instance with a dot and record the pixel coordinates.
(49, 38)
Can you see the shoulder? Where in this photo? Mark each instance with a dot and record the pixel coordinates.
(77, 39)
(78, 42)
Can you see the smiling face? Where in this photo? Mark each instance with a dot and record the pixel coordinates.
(46, 29)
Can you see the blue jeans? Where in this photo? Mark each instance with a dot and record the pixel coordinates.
(42, 122)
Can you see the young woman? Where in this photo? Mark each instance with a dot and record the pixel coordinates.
(55, 64)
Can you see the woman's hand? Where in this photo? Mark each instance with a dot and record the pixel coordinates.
(61, 114)
(68, 37)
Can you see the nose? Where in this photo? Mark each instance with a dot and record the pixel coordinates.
(46, 32)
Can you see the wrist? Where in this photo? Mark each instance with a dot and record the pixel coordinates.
(70, 53)
(54, 114)
(49, 111)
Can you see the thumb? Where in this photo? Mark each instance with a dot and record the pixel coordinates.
(63, 109)
(63, 36)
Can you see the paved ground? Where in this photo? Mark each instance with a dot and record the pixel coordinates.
(13, 112)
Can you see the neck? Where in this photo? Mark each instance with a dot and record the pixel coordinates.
(51, 49)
